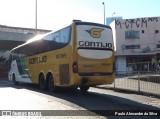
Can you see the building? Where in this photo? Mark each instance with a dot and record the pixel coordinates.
(137, 44)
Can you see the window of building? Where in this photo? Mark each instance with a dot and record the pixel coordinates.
(132, 35)
(132, 46)
(142, 31)
(156, 31)
(158, 45)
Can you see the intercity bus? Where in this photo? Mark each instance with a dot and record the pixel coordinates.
(79, 56)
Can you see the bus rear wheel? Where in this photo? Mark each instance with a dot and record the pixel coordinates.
(42, 83)
(84, 89)
(51, 85)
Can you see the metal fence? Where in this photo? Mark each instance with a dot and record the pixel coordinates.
(143, 66)
(148, 82)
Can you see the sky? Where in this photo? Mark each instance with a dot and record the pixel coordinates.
(56, 14)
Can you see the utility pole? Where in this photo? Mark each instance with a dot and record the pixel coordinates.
(104, 11)
(36, 17)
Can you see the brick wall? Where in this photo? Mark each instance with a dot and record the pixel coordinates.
(3, 71)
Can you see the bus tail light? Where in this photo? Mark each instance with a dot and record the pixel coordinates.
(75, 67)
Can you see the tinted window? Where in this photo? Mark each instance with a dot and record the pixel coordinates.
(36, 47)
(58, 39)
(50, 42)
(22, 51)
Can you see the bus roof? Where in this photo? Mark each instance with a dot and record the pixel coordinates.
(91, 23)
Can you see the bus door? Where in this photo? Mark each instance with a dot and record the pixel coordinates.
(95, 50)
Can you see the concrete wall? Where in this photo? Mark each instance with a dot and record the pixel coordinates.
(15, 36)
(146, 27)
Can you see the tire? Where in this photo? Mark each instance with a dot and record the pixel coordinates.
(51, 85)
(14, 80)
(84, 89)
(42, 83)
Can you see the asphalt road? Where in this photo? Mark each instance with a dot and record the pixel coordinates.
(99, 103)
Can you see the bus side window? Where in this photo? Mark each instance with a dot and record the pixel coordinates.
(57, 40)
(30, 49)
(65, 35)
(41, 46)
(47, 43)
(52, 41)
(22, 52)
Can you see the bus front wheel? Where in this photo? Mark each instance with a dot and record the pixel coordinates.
(42, 83)
(51, 85)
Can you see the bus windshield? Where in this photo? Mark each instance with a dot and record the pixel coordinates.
(94, 41)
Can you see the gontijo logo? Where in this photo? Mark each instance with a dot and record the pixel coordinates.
(95, 32)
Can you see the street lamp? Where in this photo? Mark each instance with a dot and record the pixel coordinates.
(36, 17)
(112, 16)
(104, 11)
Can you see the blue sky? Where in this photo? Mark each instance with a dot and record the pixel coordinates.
(55, 14)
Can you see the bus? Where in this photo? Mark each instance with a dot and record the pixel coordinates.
(80, 55)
